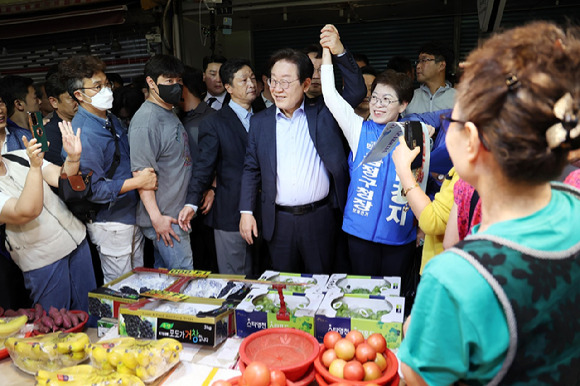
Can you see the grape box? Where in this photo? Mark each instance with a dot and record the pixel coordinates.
(259, 310)
(206, 322)
(366, 313)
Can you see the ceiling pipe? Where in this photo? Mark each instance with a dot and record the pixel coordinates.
(272, 5)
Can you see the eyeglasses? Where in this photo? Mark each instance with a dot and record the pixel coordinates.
(424, 60)
(98, 87)
(447, 118)
(385, 102)
(284, 84)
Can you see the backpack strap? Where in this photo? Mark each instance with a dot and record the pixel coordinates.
(17, 159)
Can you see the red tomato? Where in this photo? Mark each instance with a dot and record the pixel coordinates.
(344, 349)
(257, 374)
(365, 353)
(356, 337)
(337, 368)
(277, 378)
(372, 371)
(221, 383)
(328, 356)
(381, 361)
(354, 371)
(378, 342)
(330, 338)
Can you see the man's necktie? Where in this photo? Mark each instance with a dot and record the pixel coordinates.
(211, 100)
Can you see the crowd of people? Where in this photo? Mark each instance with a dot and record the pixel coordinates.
(228, 170)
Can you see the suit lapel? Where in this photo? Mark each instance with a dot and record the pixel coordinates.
(310, 111)
(237, 126)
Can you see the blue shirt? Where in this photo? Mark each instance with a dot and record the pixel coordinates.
(243, 114)
(14, 135)
(97, 155)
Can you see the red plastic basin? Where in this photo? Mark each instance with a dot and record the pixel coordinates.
(287, 349)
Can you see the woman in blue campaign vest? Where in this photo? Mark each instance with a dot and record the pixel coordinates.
(380, 227)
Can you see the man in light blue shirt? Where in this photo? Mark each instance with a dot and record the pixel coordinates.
(223, 137)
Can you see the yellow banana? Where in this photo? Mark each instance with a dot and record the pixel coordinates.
(72, 342)
(129, 359)
(11, 325)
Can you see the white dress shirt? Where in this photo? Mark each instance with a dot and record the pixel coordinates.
(219, 100)
(301, 176)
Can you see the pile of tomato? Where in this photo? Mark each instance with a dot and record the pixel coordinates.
(258, 374)
(353, 358)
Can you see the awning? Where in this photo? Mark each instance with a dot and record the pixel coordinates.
(62, 22)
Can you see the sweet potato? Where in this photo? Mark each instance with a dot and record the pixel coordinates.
(73, 318)
(38, 312)
(25, 311)
(55, 315)
(81, 317)
(1, 311)
(49, 322)
(66, 322)
(8, 313)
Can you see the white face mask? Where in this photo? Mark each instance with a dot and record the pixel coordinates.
(103, 100)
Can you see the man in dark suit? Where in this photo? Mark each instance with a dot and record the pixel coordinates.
(295, 155)
(223, 137)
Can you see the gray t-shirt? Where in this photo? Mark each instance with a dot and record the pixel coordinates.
(157, 139)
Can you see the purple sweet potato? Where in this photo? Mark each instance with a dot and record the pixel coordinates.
(1, 311)
(49, 322)
(28, 312)
(81, 317)
(8, 313)
(66, 322)
(55, 315)
(38, 312)
(73, 318)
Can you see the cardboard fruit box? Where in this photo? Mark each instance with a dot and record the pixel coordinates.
(104, 301)
(312, 282)
(366, 313)
(365, 285)
(215, 286)
(259, 310)
(206, 322)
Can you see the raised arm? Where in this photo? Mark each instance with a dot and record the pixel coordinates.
(29, 204)
(71, 144)
(343, 113)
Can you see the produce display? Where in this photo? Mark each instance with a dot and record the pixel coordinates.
(44, 322)
(362, 287)
(212, 288)
(11, 325)
(271, 303)
(141, 282)
(344, 311)
(353, 358)
(48, 352)
(257, 374)
(82, 375)
(146, 359)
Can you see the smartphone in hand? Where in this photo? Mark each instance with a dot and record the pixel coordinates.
(414, 138)
(37, 129)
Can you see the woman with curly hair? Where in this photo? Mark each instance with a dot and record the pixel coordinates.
(503, 306)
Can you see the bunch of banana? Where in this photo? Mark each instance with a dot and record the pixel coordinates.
(147, 359)
(11, 325)
(82, 375)
(48, 352)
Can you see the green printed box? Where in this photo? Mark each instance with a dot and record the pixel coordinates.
(366, 313)
(259, 309)
(365, 285)
(295, 282)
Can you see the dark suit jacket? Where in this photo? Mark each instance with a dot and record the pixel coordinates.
(222, 146)
(260, 161)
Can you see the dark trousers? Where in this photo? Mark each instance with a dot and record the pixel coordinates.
(304, 243)
(370, 258)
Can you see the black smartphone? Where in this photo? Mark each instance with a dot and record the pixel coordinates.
(37, 128)
(414, 138)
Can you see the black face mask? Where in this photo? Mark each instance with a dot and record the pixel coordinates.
(170, 93)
